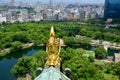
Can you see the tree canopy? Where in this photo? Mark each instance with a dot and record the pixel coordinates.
(100, 53)
(37, 32)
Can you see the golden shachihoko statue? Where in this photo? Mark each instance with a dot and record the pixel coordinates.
(53, 50)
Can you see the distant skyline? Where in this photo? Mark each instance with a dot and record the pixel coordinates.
(65, 1)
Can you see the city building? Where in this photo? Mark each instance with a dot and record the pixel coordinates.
(44, 16)
(56, 16)
(38, 17)
(61, 17)
(82, 14)
(70, 16)
(50, 15)
(116, 57)
(21, 3)
(112, 9)
(12, 3)
(92, 14)
(100, 12)
(76, 14)
(24, 14)
(2, 19)
(31, 16)
(38, 7)
(8, 16)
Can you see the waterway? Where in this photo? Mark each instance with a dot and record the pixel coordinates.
(8, 61)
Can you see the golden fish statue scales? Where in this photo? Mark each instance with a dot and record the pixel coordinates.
(53, 50)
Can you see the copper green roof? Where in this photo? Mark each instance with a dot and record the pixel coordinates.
(51, 74)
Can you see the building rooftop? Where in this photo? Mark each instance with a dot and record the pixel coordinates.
(117, 57)
(52, 74)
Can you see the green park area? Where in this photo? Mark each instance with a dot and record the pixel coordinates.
(12, 34)
(81, 62)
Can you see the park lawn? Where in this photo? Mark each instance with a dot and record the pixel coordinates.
(91, 53)
(97, 62)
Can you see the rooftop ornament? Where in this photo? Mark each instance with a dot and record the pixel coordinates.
(53, 64)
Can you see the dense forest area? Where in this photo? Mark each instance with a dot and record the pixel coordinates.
(14, 35)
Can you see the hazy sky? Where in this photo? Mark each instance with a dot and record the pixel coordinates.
(70, 1)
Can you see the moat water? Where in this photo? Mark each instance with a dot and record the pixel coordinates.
(8, 61)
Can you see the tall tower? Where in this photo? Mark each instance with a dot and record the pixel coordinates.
(112, 9)
(52, 8)
(51, 3)
(106, 8)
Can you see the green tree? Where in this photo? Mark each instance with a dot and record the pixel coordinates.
(117, 69)
(100, 53)
(83, 31)
(79, 52)
(25, 65)
(98, 35)
(20, 36)
(41, 58)
(29, 64)
(16, 46)
(69, 40)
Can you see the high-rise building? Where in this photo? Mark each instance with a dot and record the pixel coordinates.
(38, 17)
(82, 14)
(24, 14)
(112, 9)
(8, 16)
(52, 5)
